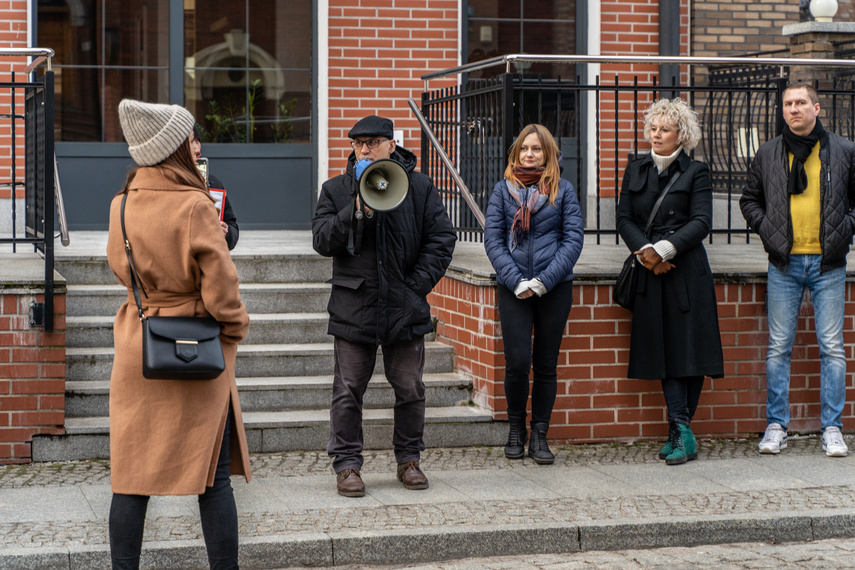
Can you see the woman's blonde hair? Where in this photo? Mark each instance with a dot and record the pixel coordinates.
(677, 114)
(180, 167)
(551, 171)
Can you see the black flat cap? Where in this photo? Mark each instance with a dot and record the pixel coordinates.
(372, 126)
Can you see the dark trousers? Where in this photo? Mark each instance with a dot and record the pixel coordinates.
(404, 363)
(216, 507)
(681, 397)
(543, 319)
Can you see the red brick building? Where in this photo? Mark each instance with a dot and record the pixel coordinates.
(276, 85)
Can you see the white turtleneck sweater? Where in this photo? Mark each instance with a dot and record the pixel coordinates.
(664, 248)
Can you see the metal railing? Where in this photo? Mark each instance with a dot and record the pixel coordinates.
(597, 125)
(30, 116)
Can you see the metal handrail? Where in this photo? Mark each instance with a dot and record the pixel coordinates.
(509, 59)
(449, 165)
(60, 206)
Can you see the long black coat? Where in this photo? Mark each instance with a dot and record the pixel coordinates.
(379, 295)
(675, 321)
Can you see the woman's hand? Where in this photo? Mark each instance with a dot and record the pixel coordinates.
(648, 257)
(663, 267)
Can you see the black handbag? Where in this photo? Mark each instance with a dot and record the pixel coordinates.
(623, 293)
(176, 348)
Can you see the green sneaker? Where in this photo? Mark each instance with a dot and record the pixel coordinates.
(669, 445)
(685, 446)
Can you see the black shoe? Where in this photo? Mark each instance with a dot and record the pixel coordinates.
(517, 436)
(538, 449)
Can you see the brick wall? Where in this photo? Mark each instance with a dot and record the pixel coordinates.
(13, 34)
(378, 50)
(596, 402)
(32, 372)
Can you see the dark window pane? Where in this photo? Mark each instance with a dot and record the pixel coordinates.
(495, 8)
(558, 38)
(70, 31)
(77, 114)
(209, 24)
(136, 33)
(254, 87)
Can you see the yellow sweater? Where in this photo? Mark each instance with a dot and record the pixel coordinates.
(805, 208)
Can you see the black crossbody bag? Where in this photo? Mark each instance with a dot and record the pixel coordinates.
(623, 293)
(176, 348)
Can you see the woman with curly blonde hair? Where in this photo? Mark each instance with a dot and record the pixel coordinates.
(675, 336)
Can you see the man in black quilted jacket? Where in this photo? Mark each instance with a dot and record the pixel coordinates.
(800, 199)
(384, 266)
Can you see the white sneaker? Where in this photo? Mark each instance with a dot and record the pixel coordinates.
(775, 439)
(832, 442)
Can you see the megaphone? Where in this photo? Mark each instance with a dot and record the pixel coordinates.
(384, 185)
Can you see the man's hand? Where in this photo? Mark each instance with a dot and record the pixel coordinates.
(225, 227)
(368, 211)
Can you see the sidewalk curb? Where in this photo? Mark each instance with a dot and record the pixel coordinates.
(432, 544)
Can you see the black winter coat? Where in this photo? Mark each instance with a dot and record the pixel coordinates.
(675, 320)
(765, 202)
(379, 295)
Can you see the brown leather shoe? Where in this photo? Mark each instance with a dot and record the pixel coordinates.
(411, 476)
(349, 483)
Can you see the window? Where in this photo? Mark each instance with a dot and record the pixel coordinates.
(500, 27)
(248, 69)
(105, 51)
(247, 65)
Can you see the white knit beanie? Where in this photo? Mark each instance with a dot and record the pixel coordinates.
(154, 131)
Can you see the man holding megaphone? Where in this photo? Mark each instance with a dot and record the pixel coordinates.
(391, 240)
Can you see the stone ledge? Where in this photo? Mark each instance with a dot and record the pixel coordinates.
(818, 28)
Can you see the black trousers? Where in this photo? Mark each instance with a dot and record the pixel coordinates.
(404, 364)
(681, 397)
(532, 330)
(216, 507)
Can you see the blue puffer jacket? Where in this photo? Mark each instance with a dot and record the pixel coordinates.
(552, 246)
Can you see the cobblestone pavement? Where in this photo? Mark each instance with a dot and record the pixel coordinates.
(299, 463)
(839, 553)
(442, 515)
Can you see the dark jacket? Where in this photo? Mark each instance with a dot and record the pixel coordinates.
(228, 214)
(765, 202)
(675, 320)
(379, 295)
(553, 244)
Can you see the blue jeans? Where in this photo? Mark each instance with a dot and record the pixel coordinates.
(784, 297)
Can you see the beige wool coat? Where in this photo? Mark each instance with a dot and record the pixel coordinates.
(165, 435)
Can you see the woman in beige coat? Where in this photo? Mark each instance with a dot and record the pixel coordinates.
(172, 437)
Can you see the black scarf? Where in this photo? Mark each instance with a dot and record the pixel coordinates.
(801, 146)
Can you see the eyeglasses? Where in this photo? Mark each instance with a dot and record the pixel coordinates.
(372, 144)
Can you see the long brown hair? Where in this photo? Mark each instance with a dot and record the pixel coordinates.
(551, 172)
(180, 167)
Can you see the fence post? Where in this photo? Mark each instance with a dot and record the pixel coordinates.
(507, 113)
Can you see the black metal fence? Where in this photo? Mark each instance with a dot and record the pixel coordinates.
(26, 111)
(738, 106)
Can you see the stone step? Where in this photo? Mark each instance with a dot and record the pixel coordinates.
(268, 268)
(97, 331)
(457, 426)
(256, 360)
(91, 398)
(105, 300)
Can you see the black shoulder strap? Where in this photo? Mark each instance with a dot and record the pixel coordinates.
(134, 275)
(658, 203)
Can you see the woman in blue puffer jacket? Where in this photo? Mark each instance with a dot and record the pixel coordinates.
(533, 236)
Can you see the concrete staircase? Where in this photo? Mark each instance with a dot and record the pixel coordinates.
(284, 367)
